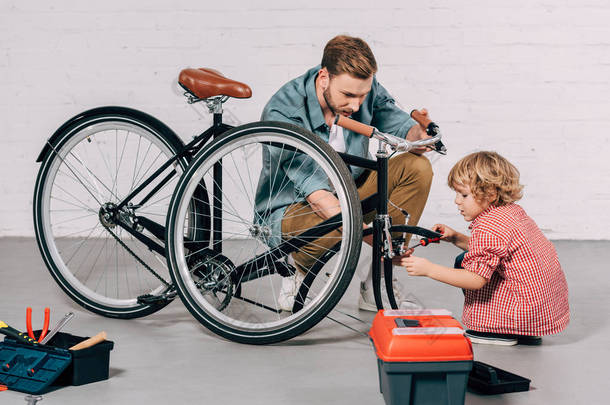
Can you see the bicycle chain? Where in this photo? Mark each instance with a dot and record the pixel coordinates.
(146, 266)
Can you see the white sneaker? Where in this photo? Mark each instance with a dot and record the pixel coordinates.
(366, 300)
(290, 288)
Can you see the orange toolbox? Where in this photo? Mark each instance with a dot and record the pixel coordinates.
(423, 356)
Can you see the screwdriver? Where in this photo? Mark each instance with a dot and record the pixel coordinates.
(15, 334)
(425, 242)
(59, 326)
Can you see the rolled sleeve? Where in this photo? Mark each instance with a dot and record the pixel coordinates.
(485, 252)
(304, 173)
(388, 117)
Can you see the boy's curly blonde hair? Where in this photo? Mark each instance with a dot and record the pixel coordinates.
(488, 175)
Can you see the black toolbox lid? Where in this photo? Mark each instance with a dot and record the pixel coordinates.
(31, 369)
(487, 379)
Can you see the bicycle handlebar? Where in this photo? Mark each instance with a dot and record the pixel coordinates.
(397, 143)
(354, 126)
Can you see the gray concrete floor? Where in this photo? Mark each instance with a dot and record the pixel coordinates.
(169, 357)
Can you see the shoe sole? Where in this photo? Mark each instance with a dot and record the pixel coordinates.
(529, 341)
(492, 341)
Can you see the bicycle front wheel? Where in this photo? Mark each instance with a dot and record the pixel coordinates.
(232, 284)
(94, 162)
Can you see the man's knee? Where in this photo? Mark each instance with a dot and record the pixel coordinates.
(415, 169)
(423, 168)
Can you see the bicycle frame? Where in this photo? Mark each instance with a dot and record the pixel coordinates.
(251, 270)
(189, 150)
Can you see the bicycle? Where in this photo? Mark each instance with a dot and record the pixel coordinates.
(110, 235)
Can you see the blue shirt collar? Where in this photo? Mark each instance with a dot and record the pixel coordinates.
(313, 105)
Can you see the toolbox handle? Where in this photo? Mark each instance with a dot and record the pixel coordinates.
(10, 362)
(416, 312)
(487, 373)
(406, 323)
(428, 331)
(38, 365)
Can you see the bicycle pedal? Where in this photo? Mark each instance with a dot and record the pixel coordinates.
(150, 299)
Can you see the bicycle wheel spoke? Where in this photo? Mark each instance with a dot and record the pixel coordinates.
(81, 232)
(238, 290)
(93, 177)
(80, 244)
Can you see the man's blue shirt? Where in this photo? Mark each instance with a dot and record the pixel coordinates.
(287, 178)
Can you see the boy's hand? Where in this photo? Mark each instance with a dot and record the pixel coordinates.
(449, 234)
(416, 266)
(396, 260)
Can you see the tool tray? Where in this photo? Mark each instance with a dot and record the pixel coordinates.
(490, 380)
(39, 369)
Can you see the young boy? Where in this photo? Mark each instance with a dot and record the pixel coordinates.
(514, 287)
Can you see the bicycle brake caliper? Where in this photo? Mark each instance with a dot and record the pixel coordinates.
(388, 250)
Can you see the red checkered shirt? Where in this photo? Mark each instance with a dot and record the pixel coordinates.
(527, 292)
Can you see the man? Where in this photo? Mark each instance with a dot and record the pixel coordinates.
(344, 84)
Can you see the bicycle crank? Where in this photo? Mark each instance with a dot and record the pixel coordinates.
(211, 273)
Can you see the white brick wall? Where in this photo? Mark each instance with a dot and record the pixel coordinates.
(526, 78)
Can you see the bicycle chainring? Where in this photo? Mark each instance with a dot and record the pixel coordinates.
(211, 273)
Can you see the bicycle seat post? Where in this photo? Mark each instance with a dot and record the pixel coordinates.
(214, 105)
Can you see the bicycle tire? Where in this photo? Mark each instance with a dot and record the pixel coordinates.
(66, 199)
(246, 319)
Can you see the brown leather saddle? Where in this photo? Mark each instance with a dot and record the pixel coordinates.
(206, 83)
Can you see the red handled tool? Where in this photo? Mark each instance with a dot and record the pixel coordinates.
(425, 242)
(45, 326)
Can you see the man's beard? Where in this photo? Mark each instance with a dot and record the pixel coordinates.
(328, 99)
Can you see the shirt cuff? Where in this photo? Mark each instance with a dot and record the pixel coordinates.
(402, 132)
(310, 185)
(481, 268)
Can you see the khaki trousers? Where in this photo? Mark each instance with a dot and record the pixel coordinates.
(409, 180)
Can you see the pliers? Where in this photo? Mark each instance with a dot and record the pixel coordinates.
(45, 326)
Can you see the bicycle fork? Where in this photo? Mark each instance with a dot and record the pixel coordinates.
(382, 237)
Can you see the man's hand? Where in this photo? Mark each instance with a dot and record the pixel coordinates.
(416, 133)
(324, 203)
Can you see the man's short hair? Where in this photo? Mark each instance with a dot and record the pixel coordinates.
(488, 175)
(345, 54)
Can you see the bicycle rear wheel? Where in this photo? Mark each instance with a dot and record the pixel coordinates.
(231, 284)
(94, 161)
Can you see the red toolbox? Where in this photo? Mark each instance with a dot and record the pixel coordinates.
(423, 356)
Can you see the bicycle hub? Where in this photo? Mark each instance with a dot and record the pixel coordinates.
(108, 215)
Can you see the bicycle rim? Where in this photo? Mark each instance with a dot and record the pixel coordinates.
(211, 281)
(97, 164)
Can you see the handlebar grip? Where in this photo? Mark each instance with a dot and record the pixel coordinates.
(354, 125)
(421, 118)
